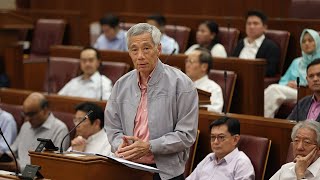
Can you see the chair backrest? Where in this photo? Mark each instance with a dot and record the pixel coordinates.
(47, 32)
(114, 70)
(257, 149)
(228, 38)
(281, 38)
(180, 33)
(218, 77)
(290, 157)
(67, 118)
(60, 71)
(192, 154)
(15, 111)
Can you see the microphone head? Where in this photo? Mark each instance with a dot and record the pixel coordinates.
(298, 80)
(88, 114)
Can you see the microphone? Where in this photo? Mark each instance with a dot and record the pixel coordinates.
(101, 88)
(225, 75)
(83, 119)
(173, 51)
(14, 157)
(298, 87)
(49, 78)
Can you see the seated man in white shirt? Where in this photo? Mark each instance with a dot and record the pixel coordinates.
(198, 65)
(306, 151)
(226, 162)
(91, 136)
(168, 44)
(256, 45)
(91, 84)
(112, 37)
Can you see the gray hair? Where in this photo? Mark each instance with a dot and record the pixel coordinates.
(310, 124)
(142, 28)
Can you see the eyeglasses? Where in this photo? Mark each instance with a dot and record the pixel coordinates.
(76, 120)
(191, 61)
(219, 138)
(305, 142)
(30, 114)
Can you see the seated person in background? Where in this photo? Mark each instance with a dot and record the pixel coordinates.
(286, 91)
(226, 162)
(112, 37)
(168, 44)
(207, 38)
(91, 136)
(198, 65)
(309, 106)
(39, 123)
(256, 45)
(9, 129)
(91, 84)
(306, 151)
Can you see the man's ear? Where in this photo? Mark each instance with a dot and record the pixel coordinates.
(204, 67)
(159, 48)
(236, 139)
(97, 122)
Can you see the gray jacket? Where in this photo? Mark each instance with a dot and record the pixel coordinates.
(172, 115)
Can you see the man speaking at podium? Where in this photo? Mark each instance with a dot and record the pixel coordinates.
(152, 114)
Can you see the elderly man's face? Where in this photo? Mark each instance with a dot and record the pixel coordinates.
(143, 52)
(222, 142)
(34, 113)
(304, 142)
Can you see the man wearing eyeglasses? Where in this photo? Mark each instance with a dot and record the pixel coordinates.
(198, 65)
(91, 136)
(226, 162)
(306, 145)
(39, 123)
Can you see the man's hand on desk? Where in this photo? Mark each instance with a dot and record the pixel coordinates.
(132, 148)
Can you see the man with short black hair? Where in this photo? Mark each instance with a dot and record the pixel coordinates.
(309, 106)
(306, 152)
(90, 84)
(168, 43)
(112, 37)
(198, 65)
(226, 162)
(91, 136)
(256, 45)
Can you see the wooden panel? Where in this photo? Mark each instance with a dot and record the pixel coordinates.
(277, 130)
(14, 65)
(56, 103)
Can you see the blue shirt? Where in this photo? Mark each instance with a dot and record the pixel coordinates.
(292, 73)
(118, 43)
(168, 44)
(9, 128)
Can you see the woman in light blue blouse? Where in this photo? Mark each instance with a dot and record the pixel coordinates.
(286, 90)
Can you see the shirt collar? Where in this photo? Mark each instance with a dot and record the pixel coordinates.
(201, 80)
(228, 158)
(150, 75)
(94, 136)
(314, 100)
(95, 77)
(257, 42)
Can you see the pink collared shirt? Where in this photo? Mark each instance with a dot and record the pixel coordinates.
(141, 129)
(314, 109)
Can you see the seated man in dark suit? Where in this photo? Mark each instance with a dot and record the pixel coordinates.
(309, 106)
(256, 45)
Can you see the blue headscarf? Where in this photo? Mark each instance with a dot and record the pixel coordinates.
(308, 58)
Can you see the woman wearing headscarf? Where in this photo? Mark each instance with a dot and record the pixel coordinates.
(207, 38)
(286, 91)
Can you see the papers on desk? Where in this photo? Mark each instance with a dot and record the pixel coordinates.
(133, 164)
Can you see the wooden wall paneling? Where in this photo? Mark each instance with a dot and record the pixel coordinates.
(35, 75)
(13, 61)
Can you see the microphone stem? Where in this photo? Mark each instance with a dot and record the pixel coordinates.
(14, 157)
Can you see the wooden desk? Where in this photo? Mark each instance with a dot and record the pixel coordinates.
(62, 167)
(56, 102)
(277, 130)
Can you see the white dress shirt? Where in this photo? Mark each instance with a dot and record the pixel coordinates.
(234, 166)
(96, 86)
(168, 44)
(98, 144)
(287, 172)
(216, 97)
(250, 50)
(9, 129)
(216, 51)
